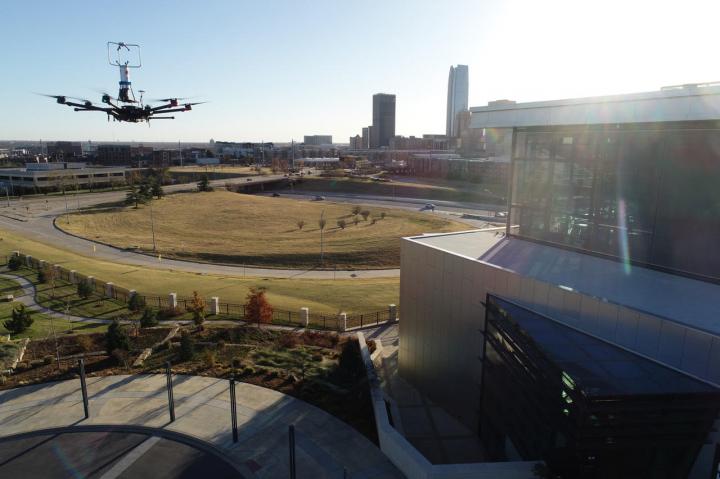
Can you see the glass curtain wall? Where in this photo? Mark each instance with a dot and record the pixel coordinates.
(645, 194)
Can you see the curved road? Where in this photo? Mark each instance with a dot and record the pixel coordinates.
(33, 217)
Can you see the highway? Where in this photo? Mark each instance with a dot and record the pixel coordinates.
(33, 217)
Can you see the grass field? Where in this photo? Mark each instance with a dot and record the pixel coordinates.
(425, 188)
(321, 296)
(255, 230)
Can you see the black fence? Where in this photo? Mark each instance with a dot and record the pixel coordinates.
(228, 311)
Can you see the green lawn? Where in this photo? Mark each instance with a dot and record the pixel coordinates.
(43, 325)
(321, 296)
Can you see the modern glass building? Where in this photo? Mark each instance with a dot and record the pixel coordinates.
(645, 194)
(586, 332)
(587, 408)
(383, 125)
(457, 98)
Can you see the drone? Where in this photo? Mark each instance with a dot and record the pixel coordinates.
(126, 107)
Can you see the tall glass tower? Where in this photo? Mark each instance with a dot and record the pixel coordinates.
(457, 99)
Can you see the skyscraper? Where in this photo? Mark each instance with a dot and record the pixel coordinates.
(383, 127)
(457, 99)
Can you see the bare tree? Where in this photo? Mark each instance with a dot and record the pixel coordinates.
(300, 224)
(341, 224)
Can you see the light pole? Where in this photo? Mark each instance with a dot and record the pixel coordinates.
(152, 226)
(321, 224)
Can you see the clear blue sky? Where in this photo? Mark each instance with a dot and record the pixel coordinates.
(277, 70)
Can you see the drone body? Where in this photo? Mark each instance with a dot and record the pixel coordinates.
(126, 107)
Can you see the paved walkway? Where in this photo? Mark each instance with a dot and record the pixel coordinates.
(441, 438)
(324, 445)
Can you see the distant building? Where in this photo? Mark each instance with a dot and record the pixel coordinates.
(320, 163)
(317, 140)
(457, 97)
(57, 176)
(356, 142)
(64, 150)
(383, 120)
(427, 142)
(122, 155)
(166, 158)
(366, 137)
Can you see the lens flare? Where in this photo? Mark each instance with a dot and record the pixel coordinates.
(623, 236)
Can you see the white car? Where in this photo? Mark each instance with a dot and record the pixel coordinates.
(429, 206)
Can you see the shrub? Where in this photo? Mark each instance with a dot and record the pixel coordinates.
(356, 210)
(48, 359)
(14, 263)
(287, 340)
(323, 340)
(300, 224)
(204, 184)
(37, 362)
(84, 343)
(42, 276)
(209, 358)
(365, 214)
(382, 215)
(248, 371)
(136, 303)
(341, 224)
(187, 346)
(350, 362)
(373, 221)
(21, 320)
(168, 313)
(121, 356)
(149, 318)
(236, 362)
(257, 307)
(116, 338)
(197, 308)
(84, 289)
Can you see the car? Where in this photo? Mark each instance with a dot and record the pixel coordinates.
(318, 198)
(501, 214)
(429, 206)
(276, 195)
(249, 179)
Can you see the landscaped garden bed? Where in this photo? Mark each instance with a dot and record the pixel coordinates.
(323, 369)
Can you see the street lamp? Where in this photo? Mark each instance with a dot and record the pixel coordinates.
(152, 226)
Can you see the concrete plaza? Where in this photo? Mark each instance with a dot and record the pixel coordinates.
(325, 445)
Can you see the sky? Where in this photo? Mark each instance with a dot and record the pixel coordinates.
(276, 70)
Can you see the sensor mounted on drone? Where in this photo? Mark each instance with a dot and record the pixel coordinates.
(126, 107)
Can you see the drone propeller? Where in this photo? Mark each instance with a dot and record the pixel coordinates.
(64, 98)
(174, 98)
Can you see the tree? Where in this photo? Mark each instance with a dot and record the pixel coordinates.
(149, 318)
(116, 338)
(84, 289)
(321, 223)
(365, 214)
(136, 303)
(187, 346)
(356, 210)
(49, 277)
(14, 263)
(257, 307)
(204, 184)
(156, 189)
(300, 224)
(20, 320)
(197, 308)
(341, 224)
(133, 196)
(145, 191)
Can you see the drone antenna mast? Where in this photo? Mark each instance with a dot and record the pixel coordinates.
(125, 93)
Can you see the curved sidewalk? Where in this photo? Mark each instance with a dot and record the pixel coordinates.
(324, 445)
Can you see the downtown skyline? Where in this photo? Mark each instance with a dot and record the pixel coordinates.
(279, 72)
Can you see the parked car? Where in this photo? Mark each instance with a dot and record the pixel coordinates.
(318, 198)
(501, 214)
(429, 206)
(276, 195)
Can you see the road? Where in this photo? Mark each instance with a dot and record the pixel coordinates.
(34, 216)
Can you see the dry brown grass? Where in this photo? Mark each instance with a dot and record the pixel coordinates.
(241, 229)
